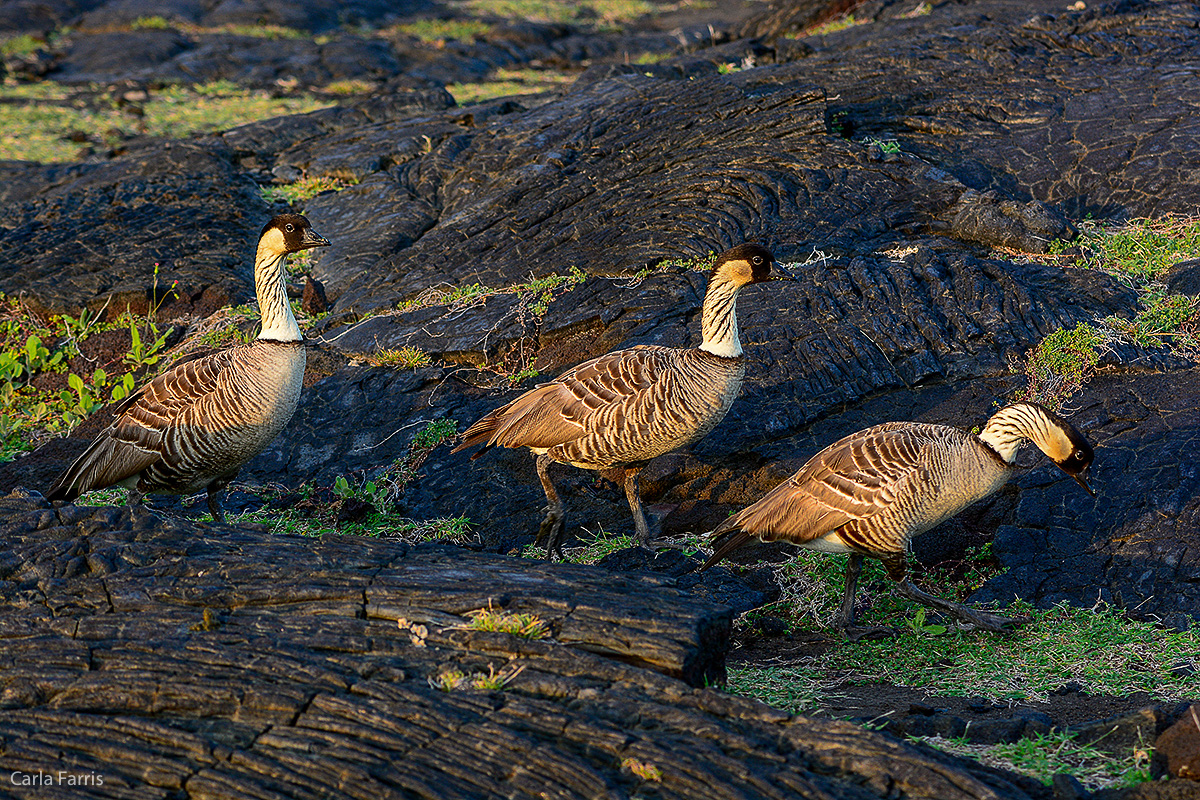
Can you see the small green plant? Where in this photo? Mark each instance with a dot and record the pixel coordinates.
(642, 769)
(456, 679)
(886, 145)
(919, 627)
(433, 434)
(1059, 365)
(1164, 320)
(148, 353)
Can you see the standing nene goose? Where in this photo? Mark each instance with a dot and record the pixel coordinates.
(872, 492)
(193, 427)
(615, 413)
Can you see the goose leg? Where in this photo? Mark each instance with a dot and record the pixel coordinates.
(633, 493)
(980, 619)
(214, 496)
(214, 501)
(844, 621)
(550, 534)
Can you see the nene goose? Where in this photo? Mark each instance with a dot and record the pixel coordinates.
(615, 413)
(193, 427)
(872, 492)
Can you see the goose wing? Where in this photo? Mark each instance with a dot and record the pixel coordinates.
(571, 405)
(852, 480)
(144, 419)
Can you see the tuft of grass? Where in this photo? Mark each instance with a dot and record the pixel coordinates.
(1046, 755)
(598, 14)
(524, 625)
(454, 679)
(456, 530)
(348, 87)
(405, 357)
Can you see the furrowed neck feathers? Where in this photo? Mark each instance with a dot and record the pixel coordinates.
(1013, 424)
(270, 284)
(718, 325)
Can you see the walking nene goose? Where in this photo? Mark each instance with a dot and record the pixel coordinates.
(193, 427)
(872, 492)
(615, 413)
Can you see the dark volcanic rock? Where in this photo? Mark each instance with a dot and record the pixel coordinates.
(1134, 546)
(79, 236)
(177, 660)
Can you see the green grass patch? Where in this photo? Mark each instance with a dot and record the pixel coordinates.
(1046, 755)
(297, 192)
(835, 25)
(20, 45)
(43, 128)
(444, 30)
(40, 393)
(506, 82)
(1101, 649)
(796, 690)
(1139, 253)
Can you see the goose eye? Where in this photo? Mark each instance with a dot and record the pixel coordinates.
(290, 227)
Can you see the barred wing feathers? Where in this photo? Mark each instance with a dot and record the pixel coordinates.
(145, 422)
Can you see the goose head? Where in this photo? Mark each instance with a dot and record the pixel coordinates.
(1073, 453)
(1061, 442)
(747, 264)
(289, 233)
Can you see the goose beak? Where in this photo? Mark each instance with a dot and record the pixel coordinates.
(781, 273)
(1083, 482)
(313, 239)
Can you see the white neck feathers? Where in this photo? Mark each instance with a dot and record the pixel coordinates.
(718, 324)
(270, 284)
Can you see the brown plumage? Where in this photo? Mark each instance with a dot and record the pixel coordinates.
(870, 493)
(194, 426)
(617, 412)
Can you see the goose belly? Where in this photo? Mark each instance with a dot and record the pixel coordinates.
(214, 438)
